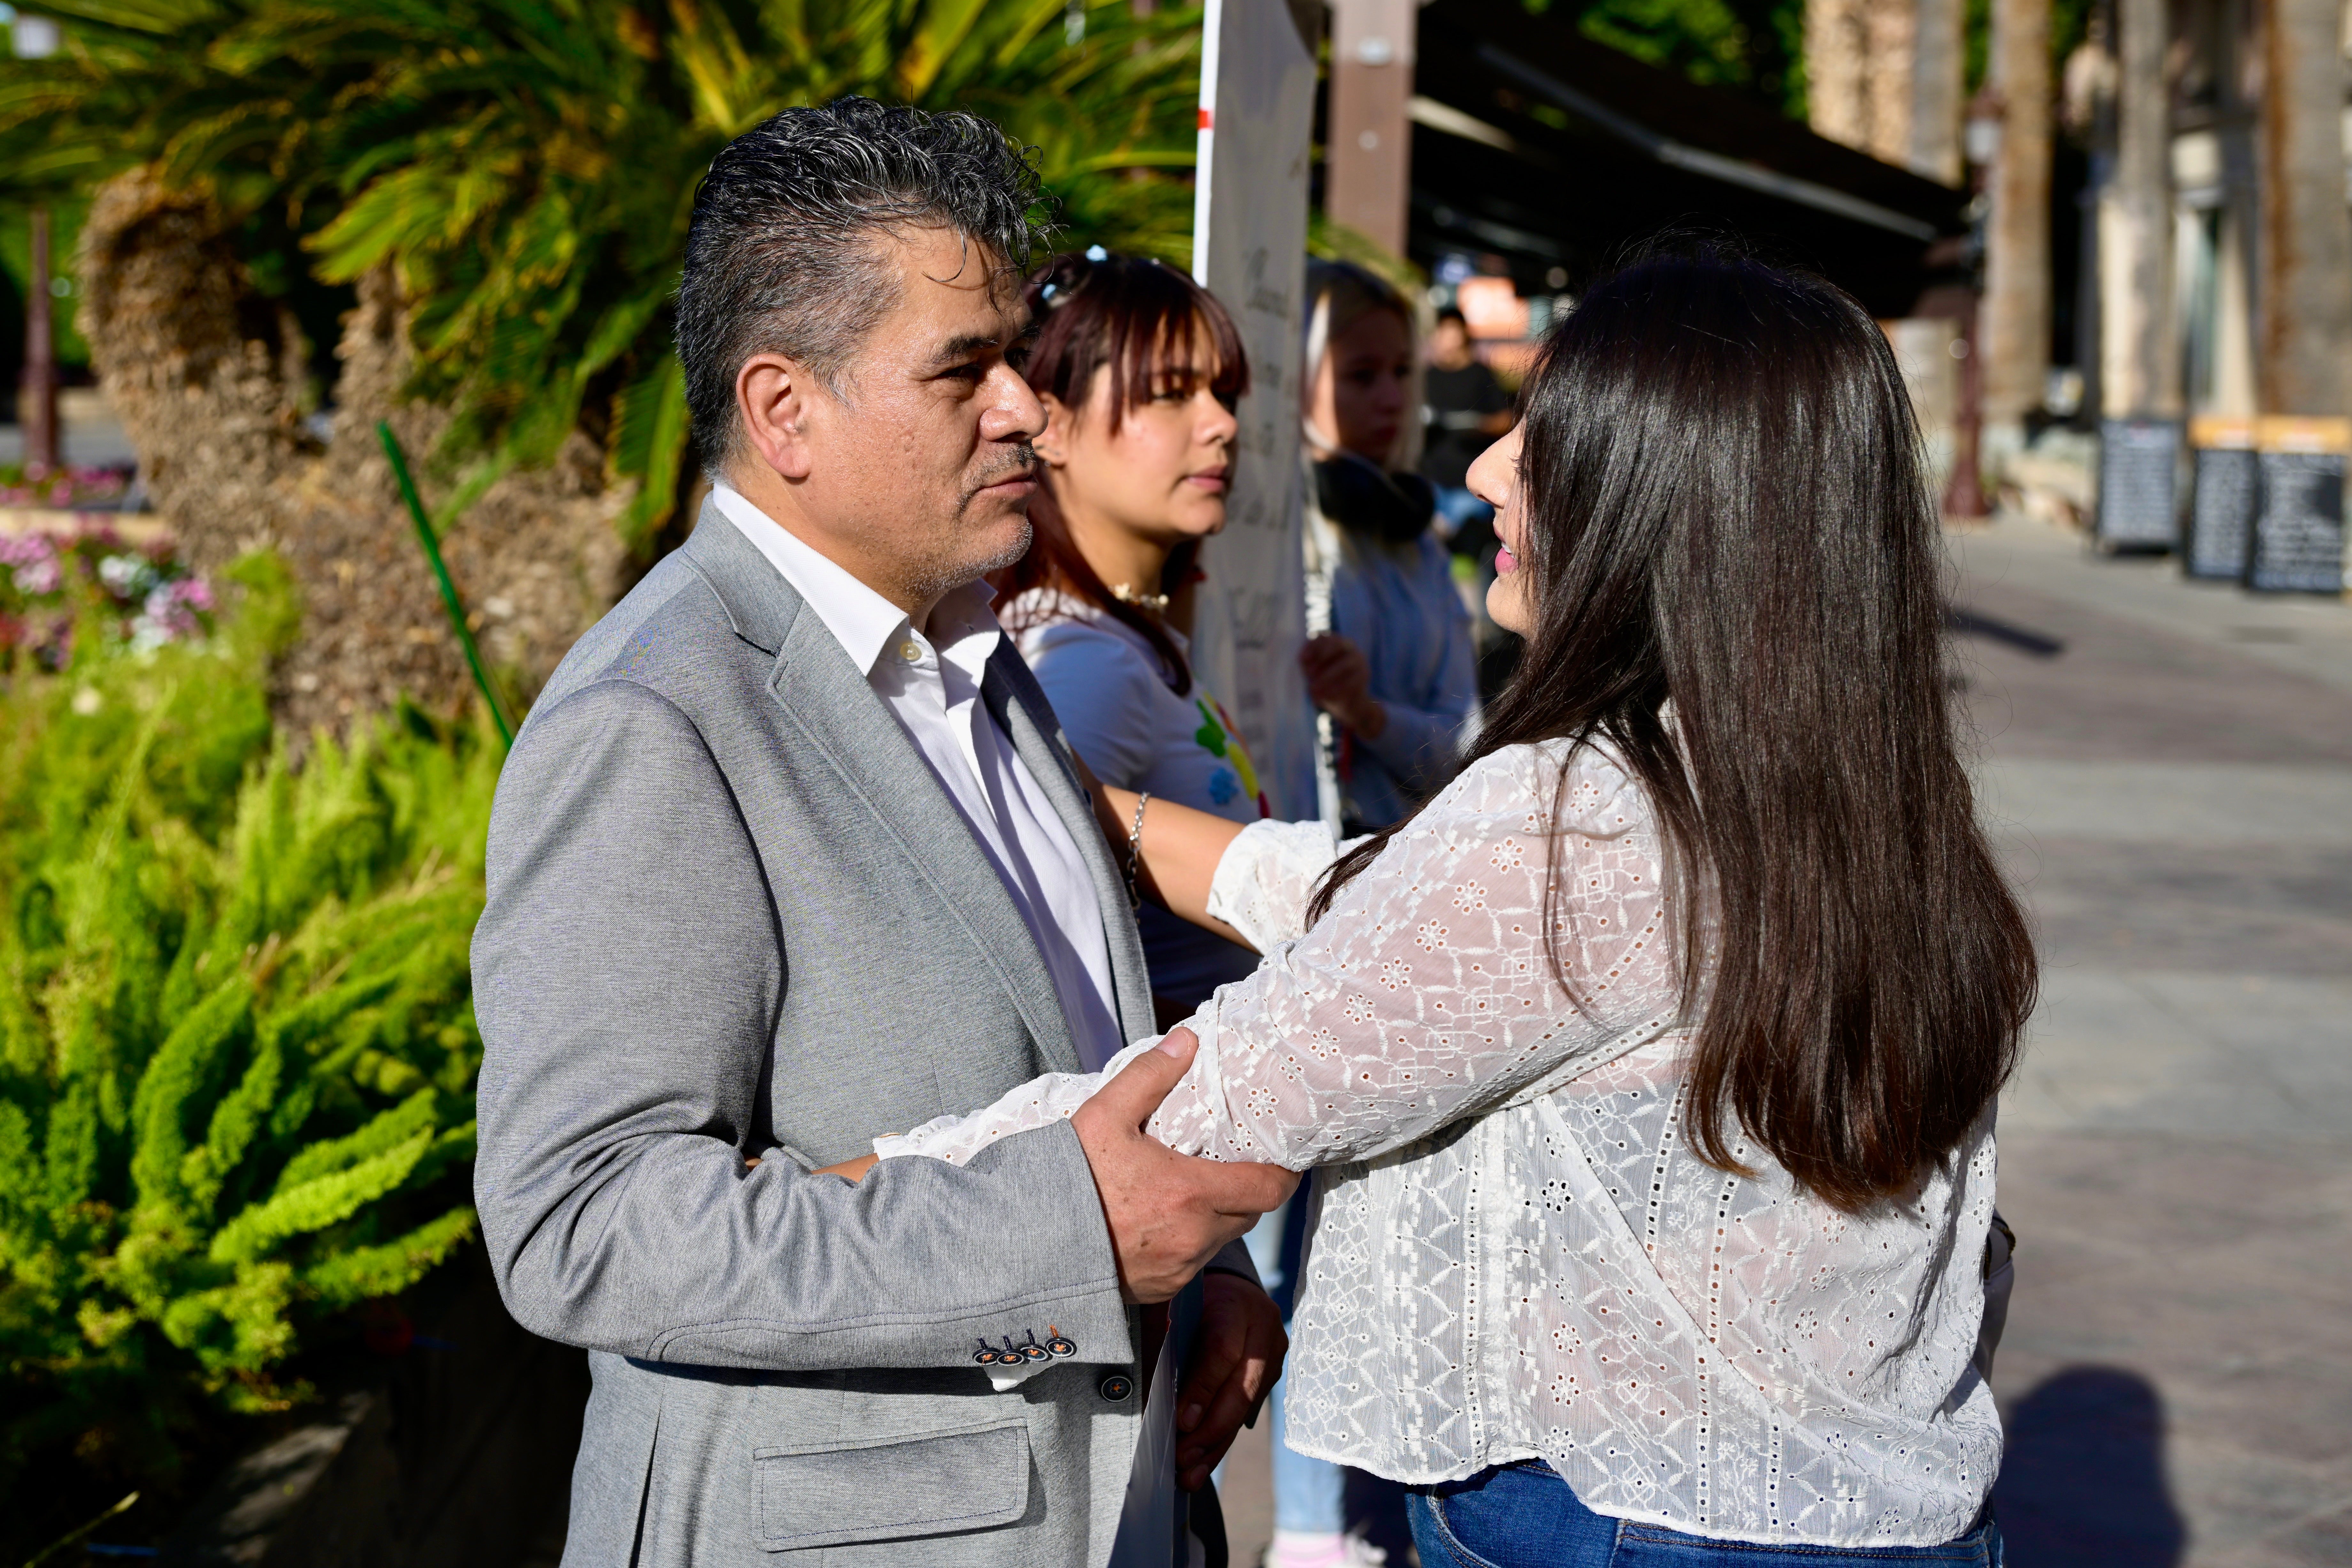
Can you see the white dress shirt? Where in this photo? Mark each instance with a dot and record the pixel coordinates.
(930, 679)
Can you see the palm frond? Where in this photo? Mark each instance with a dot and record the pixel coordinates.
(528, 166)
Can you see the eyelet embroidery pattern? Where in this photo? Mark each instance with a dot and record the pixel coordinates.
(1520, 1256)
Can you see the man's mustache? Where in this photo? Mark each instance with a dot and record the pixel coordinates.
(1019, 462)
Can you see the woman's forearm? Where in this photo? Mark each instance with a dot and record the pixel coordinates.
(1182, 850)
(1179, 854)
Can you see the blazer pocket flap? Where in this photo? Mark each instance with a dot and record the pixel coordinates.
(943, 1484)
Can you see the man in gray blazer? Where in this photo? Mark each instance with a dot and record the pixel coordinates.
(790, 854)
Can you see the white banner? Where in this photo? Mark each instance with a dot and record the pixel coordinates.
(1249, 249)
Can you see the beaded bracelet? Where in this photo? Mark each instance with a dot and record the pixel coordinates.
(1135, 854)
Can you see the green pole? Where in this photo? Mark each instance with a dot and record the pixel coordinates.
(441, 572)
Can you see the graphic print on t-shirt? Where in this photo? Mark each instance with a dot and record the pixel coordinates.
(1221, 739)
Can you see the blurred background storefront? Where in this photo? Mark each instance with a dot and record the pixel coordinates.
(2118, 209)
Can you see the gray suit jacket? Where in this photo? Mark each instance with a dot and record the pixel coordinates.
(733, 912)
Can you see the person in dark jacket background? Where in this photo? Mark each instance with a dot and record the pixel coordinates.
(1465, 409)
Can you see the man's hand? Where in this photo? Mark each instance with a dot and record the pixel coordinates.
(1168, 1213)
(1238, 1353)
(1338, 677)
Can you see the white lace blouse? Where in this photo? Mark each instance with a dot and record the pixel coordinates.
(1514, 1253)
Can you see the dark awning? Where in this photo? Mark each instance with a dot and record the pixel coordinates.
(1535, 143)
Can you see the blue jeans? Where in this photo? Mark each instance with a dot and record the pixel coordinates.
(1524, 1516)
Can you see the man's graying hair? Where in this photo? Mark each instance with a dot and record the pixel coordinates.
(782, 255)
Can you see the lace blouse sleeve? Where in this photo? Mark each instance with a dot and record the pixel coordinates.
(1266, 877)
(1423, 997)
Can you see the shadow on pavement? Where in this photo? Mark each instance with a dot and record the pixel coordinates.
(2082, 1485)
(1967, 622)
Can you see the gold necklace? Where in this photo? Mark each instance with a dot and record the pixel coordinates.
(1156, 603)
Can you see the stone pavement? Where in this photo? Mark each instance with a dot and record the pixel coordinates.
(2169, 773)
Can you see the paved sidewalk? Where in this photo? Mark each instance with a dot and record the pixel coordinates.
(2169, 771)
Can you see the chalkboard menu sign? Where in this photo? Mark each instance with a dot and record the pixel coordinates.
(2138, 459)
(2224, 498)
(2299, 534)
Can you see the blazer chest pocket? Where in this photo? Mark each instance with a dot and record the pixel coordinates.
(943, 1483)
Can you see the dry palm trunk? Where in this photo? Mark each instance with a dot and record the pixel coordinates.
(2016, 310)
(1859, 60)
(207, 379)
(2306, 248)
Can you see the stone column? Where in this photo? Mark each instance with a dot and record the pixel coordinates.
(2306, 297)
(2141, 362)
(1367, 145)
(2015, 323)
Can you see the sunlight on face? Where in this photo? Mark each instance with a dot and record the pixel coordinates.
(1495, 480)
(1162, 474)
(1361, 388)
(920, 464)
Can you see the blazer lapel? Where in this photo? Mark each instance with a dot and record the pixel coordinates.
(826, 697)
(1013, 696)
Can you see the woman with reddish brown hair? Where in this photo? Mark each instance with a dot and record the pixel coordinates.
(1139, 368)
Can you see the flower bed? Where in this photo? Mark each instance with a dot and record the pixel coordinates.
(90, 582)
(70, 488)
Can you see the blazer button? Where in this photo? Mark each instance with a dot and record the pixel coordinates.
(1117, 1387)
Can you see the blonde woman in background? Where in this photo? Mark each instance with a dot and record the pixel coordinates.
(1396, 672)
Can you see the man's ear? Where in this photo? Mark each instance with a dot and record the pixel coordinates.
(774, 396)
(1053, 443)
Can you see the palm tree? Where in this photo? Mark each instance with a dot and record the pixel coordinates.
(523, 170)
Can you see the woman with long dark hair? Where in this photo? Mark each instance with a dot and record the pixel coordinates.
(1138, 368)
(1650, 1067)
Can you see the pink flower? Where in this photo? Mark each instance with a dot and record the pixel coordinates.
(25, 549)
(39, 577)
(194, 593)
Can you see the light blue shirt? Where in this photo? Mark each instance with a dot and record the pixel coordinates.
(1399, 604)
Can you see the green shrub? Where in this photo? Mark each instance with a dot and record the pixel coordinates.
(236, 1038)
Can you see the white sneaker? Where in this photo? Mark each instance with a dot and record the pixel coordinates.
(1315, 1548)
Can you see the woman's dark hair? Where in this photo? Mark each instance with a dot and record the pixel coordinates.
(1725, 504)
(1149, 322)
